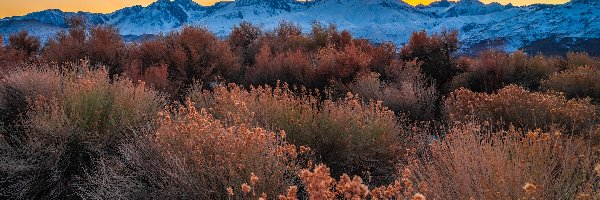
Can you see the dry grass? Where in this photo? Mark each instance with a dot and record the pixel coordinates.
(473, 162)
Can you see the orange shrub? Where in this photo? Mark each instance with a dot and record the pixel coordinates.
(293, 67)
(471, 161)
(105, 46)
(66, 46)
(207, 158)
(349, 135)
(519, 107)
(196, 54)
(342, 66)
(577, 82)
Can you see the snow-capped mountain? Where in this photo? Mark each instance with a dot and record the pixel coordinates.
(504, 26)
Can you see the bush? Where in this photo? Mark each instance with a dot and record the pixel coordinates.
(341, 66)
(578, 82)
(529, 71)
(490, 71)
(291, 67)
(205, 157)
(66, 46)
(245, 42)
(350, 136)
(574, 60)
(521, 108)
(475, 162)
(17, 88)
(105, 46)
(23, 45)
(435, 54)
(196, 54)
(412, 93)
(71, 129)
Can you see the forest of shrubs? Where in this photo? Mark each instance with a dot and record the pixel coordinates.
(289, 115)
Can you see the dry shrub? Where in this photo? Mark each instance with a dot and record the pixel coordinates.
(574, 60)
(474, 162)
(529, 71)
(412, 93)
(290, 67)
(66, 46)
(245, 42)
(197, 54)
(17, 88)
(105, 46)
(341, 66)
(88, 118)
(23, 44)
(349, 135)
(490, 71)
(519, 107)
(205, 158)
(435, 54)
(577, 82)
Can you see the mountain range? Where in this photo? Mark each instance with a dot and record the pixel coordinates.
(481, 25)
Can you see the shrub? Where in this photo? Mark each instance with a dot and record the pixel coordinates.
(291, 67)
(341, 66)
(578, 82)
(521, 108)
(435, 54)
(475, 162)
(245, 42)
(574, 60)
(17, 88)
(529, 71)
(205, 157)
(24, 45)
(196, 54)
(349, 135)
(490, 71)
(66, 46)
(412, 93)
(105, 46)
(69, 133)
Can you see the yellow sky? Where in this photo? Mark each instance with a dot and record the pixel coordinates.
(21, 7)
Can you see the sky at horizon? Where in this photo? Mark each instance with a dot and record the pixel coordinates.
(21, 7)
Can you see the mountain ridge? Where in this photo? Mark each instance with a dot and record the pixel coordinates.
(377, 20)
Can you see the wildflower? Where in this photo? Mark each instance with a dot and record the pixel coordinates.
(246, 188)
(230, 191)
(529, 188)
(253, 179)
(418, 196)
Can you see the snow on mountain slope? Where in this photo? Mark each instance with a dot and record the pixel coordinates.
(378, 20)
(575, 19)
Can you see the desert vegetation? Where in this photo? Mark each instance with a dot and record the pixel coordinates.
(286, 114)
